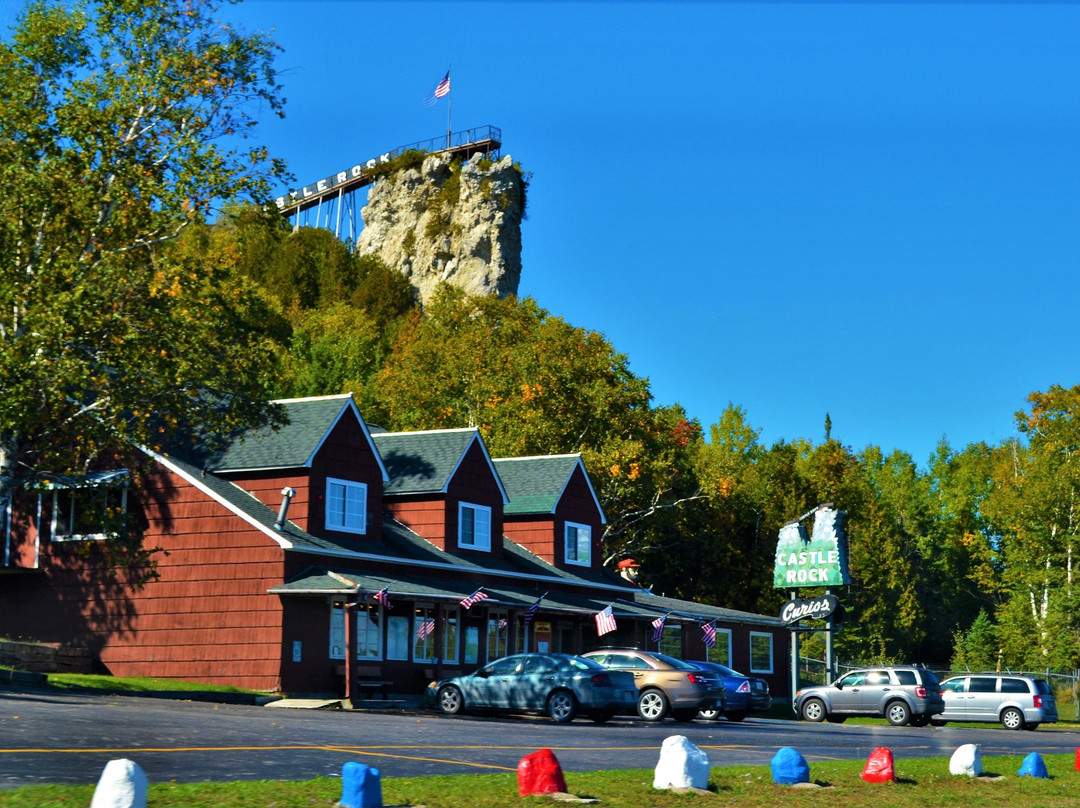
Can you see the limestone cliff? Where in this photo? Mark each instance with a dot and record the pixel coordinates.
(449, 221)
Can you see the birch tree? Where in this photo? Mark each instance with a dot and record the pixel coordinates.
(121, 122)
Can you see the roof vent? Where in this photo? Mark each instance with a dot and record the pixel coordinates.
(287, 494)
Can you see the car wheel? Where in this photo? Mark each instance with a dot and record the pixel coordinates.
(1032, 726)
(562, 706)
(451, 701)
(920, 720)
(602, 716)
(652, 705)
(813, 710)
(897, 713)
(735, 716)
(684, 715)
(710, 714)
(1012, 719)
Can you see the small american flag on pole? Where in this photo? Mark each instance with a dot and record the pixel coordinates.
(382, 597)
(708, 634)
(427, 625)
(658, 628)
(605, 621)
(530, 613)
(475, 597)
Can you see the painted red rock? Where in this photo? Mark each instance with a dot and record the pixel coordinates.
(540, 773)
(879, 767)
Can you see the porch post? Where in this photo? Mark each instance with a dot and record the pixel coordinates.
(350, 652)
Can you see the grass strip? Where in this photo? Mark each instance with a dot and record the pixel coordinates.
(920, 782)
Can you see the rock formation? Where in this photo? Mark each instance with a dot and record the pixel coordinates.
(449, 221)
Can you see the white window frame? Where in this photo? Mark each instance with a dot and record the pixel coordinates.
(476, 540)
(451, 636)
(498, 630)
(398, 637)
(65, 497)
(423, 648)
(761, 635)
(350, 520)
(723, 638)
(369, 631)
(576, 559)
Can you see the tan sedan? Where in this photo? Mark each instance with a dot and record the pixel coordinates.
(665, 684)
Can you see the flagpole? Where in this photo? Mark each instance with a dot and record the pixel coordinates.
(449, 104)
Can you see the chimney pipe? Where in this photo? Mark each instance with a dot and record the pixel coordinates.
(288, 494)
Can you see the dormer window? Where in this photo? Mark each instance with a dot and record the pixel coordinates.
(346, 506)
(474, 526)
(578, 544)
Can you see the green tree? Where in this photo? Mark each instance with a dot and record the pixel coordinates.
(115, 120)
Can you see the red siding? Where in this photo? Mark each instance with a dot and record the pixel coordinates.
(427, 518)
(208, 616)
(475, 483)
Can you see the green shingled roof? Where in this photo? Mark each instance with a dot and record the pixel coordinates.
(291, 446)
(536, 484)
(423, 462)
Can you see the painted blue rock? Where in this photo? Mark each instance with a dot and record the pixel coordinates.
(1033, 766)
(361, 786)
(789, 767)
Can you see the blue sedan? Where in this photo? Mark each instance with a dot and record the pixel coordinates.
(745, 694)
(561, 685)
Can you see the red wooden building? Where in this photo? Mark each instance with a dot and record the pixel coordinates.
(293, 548)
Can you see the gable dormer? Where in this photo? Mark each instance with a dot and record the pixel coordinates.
(553, 509)
(325, 454)
(443, 486)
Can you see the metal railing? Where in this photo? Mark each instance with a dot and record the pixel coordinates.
(454, 140)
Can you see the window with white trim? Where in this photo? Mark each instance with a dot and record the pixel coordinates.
(93, 507)
(761, 660)
(472, 645)
(671, 640)
(721, 652)
(346, 506)
(368, 631)
(424, 633)
(498, 628)
(397, 637)
(578, 544)
(474, 526)
(451, 639)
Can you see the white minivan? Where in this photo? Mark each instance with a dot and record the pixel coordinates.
(1018, 702)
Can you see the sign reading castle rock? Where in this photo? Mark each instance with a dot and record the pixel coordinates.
(816, 560)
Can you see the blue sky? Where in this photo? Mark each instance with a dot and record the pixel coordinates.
(865, 209)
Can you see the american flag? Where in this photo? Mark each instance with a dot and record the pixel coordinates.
(708, 634)
(382, 597)
(530, 613)
(443, 87)
(605, 621)
(475, 597)
(658, 628)
(427, 625)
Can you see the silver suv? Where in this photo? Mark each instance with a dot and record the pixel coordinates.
(1018, 702)
(901, 694)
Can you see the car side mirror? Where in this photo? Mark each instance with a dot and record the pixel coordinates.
(483, 673)
(839, 686)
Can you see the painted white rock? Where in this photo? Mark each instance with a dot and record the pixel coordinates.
(966, 760)
(122, 785)
(682, 765)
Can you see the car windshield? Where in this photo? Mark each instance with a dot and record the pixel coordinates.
(583, 664)
(678, 664)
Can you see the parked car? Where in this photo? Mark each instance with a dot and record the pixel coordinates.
(742, 694)
(665, 684)
(900, 694)
(1018, 702)
(561, 685)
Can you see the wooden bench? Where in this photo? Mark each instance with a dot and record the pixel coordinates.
(369, 678)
